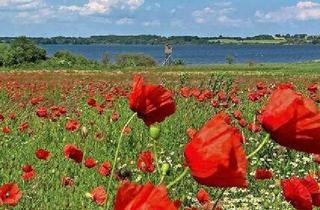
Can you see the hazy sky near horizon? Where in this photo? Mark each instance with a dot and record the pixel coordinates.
(163, 17)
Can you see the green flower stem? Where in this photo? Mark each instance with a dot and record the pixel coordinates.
(219, 198)
(116, 156)
(156, 156)
(264, 141)
(184, 173)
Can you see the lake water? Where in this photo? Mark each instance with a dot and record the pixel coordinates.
(199, 54)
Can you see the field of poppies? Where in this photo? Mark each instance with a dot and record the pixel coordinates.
(130, 141)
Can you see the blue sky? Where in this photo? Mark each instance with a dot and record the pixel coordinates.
(164, 17)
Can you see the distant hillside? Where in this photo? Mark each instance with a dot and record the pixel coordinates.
(155, 40)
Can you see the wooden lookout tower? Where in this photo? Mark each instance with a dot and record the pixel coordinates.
(168, 49)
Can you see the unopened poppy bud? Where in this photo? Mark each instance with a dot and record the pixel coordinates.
(88, 195)
(154, 132)
(165, 168)
(84, 132)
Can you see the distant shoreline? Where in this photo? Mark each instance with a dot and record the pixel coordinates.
(298, 39)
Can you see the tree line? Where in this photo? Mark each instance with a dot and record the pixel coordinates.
(159, 40)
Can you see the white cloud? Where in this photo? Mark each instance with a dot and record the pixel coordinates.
(103, 6)
(125, 21)
(151, 23)
(21, 4)
(201, 16)
(219, 14)
(38, 16)
(302, 11)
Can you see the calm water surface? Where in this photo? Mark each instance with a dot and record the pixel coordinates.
(199, 54)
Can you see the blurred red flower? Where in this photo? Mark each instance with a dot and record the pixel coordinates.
(6, 130)
(10, 194)
(105, 168)
(23, 126)
(28, 172)
(153, 103)
(313, 88)
(131, 196)
(42, 112)
(99, 195)
(91, 102)
(262, 174)
(145, 162)
(293, 121)
(73, 152)
(215, 155)
(90, 162)
(67, 181)
(203, 196)
(301, 193)
(72, 125)
(42, 154)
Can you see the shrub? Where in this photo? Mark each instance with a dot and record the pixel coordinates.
(3, 51)
(65, 59)
(179, 62)
(134, 60)
(230, 59)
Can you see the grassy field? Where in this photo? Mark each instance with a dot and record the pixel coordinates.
(72, 88)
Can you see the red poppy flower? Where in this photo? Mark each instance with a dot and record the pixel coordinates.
(145, 162)
(253, 97)
(10, 194)
(42, 112)
(243, 123)
(153, 103)
(92, 102)
(67, 181)
(293, 121)
(23, 126)
(105, 168)
(185, 92)
(131, 196)
(35, 101)
(313, 88)
(297, 194)
(99, 195)
(12, 116)
(214, 104)
(203, 196)
(1, 117)
(237, 114)
(72, 125)
(254, 128)
(215, 155)
(73, 152)
(90, 162)
(28, 172)
(115, 116)
(6, 130)
(42, 154)
(262, 174)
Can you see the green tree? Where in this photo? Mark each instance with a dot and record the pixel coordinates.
(23, 50)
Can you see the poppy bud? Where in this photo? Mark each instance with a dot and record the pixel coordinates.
(154, 132)
(84, 132)
(88, 195)
(165, 168)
